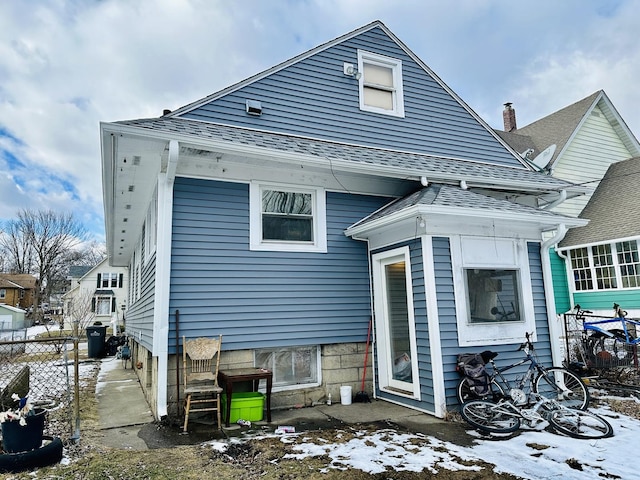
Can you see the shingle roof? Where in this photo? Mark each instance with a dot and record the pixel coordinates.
(456, 197)
(558, 127)
(405, 163)
(17, 280)
(613, 210)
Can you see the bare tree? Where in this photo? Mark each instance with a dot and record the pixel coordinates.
(40, 243)
(79, 310)
(17, 252)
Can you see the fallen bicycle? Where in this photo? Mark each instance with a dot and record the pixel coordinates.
(511, 413)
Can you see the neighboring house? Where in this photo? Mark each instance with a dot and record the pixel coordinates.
(18, 290)
(262, 213)
(602, 257)
(577, 144)
(97, 294)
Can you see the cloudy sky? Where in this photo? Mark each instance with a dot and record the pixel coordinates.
(66, 65)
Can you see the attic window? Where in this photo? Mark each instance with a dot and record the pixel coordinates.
(380, 84)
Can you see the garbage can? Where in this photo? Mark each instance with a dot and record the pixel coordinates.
(95, 341)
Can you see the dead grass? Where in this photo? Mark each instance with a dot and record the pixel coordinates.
(254, 459)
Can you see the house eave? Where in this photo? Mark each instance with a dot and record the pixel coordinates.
(539, 222)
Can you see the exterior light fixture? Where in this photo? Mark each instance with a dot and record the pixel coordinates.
(351, 70)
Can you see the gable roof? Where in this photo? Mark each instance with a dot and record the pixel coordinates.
(439, 137)
(560, 127)
(312, 78)
(614, 209)
(18, 280)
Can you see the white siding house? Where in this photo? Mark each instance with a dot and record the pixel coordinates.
(100, 295)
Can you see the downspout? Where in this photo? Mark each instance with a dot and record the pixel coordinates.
(162, 278)
(557, 201)
(556, 331)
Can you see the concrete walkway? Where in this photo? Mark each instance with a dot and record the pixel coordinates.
(127, 423)
(122, 407)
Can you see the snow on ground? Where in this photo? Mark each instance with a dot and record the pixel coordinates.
(528, 455)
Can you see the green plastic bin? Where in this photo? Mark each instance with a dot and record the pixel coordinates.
(245, 406)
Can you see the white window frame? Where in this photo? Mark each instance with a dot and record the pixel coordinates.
(3, 293)
(151, 228)
(397, 92)
(491, 253)
(294, 386)
(593, 267)
(103, 299)
(319, 243)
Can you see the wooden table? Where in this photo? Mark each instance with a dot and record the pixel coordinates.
(230, 376)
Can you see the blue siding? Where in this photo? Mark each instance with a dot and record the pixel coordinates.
(139, 320)
(448, 324)
(314, 98)
(264, 299)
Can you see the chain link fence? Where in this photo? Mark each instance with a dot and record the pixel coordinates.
(45, 369)
(597, 351)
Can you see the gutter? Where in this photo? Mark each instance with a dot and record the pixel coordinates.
(556, 330)
(557, 201)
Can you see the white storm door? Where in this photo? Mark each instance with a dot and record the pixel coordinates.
(395, 324)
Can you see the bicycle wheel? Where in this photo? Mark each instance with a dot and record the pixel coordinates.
(465, 393)
(565, 387)
(579, 424)
(489, 417)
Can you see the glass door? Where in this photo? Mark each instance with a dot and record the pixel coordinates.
(395, 326)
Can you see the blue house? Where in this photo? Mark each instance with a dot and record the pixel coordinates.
(345, 186)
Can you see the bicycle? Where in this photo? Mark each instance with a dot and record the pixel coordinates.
(609, 347)
(555, 383)
(507, 417)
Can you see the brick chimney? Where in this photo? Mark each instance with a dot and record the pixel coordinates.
(509, 118)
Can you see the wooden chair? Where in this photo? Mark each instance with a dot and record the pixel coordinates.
(200, 375)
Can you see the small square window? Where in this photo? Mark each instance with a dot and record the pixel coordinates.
(493, 295)
(291, 366)
(287, 219)
(381, 84)
(287, 216)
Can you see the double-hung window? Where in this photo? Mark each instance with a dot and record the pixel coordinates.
(629, 262)
(285, 218)
(606, 266)
(380, 84)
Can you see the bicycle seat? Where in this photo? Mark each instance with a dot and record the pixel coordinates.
(488, 355)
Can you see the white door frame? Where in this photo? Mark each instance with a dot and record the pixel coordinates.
(386, 382)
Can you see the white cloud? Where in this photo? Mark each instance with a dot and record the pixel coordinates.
(67, 65)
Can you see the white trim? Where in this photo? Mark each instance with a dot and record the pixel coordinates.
(397, 94)
(470, 334)
(319, 244)
(162, 286)
(382, 336)
(433, 326)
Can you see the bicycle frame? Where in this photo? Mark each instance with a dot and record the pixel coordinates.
(531, 415)
(592, 326)
(528, 377)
